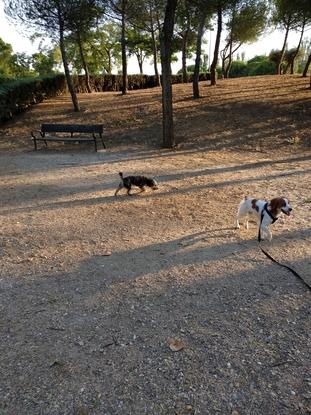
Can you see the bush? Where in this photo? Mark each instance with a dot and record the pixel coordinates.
(259, 65)
(16, 96)
(103, 83)
(261, 68)
(5, 79)
(238, 68)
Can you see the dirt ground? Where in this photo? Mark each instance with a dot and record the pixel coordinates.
(93, 287)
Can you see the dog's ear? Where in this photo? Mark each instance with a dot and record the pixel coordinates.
(254, 206)
(276, 204)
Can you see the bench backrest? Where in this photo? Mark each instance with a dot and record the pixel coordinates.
(72, 128)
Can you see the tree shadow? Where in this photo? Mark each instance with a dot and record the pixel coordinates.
(105, 326)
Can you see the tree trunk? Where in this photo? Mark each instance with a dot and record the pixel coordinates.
(230, 59)
(109, 63)
(155, 53)
(279, 64)
(196, 72)
(123, 47)
(184, 57)
(66, 68)
(292, 64)
(184, 52)
(140, 63)
(228, 67)
(84, 64)
(217, 43)
(167, 95)
(305, 71)
(224, 57)
(223, 65)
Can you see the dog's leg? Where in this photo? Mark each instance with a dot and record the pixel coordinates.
(128, 191)
(269, 234)
(239, 216)
(246, 223)
(142, 189)
(118, 189)
(266, 233)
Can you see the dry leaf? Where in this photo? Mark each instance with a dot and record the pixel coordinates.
(175, 344)
(108, 253)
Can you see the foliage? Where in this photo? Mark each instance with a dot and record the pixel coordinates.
(259, 65)
(238, 68)
(18, 95)
(139, 44)
(45, 61)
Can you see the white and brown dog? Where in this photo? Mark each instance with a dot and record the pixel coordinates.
(265, 212)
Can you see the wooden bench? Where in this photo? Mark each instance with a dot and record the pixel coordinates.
(96, 131)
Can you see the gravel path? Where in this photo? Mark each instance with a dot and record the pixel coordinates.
(94, 289)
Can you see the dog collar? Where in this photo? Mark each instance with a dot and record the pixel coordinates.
(265, 208)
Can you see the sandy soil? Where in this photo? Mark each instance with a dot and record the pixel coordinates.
(93, 286)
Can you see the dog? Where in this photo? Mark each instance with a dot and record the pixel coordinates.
(265, 212)
(138, 181)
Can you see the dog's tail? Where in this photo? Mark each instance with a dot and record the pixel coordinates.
(121, 175)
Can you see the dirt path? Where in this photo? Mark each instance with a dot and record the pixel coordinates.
(92, 286)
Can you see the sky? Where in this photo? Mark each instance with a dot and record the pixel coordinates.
(271, 40)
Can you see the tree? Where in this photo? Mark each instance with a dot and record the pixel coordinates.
(219, 9)
(166, 53)
(202, 13)
(285, 17)
(6, 56)
(186, 19)
(21, 65)
(246, 22)
(149, 20)
(52, 18)
(123, 10)
(14, 64)
(81, 19)
(103, 49)
(139, 44)
(44, 61)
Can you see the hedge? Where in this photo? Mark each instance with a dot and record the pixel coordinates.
(103, 83)
(19, 95)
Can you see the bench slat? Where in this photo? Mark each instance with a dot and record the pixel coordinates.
(55, 138)
(72, 128)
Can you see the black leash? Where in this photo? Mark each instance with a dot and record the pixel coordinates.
(270, 257)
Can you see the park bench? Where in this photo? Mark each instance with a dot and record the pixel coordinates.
(86, 133)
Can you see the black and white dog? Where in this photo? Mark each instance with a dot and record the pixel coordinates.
(138, 181)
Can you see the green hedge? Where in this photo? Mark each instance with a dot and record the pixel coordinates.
(17, 96)
(103, 83)
(5, 79)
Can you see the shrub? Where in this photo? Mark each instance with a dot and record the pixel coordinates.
(261, 68)
(5, 79)
(102, 83)
(18, 95)
(238, 68)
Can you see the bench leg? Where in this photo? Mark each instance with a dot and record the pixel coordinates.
(35, 143)
(46, 144)
(101, 137)
(95, 144)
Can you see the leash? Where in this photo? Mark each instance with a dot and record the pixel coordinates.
(270, 257)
